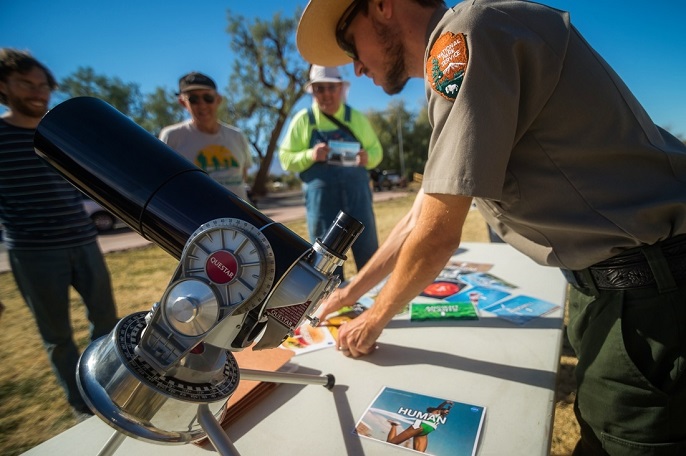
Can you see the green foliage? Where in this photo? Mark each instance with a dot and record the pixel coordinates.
(161, 108)
(125, 97)
(268, 78)
(415, 133)
(151, 111)
(291, 180)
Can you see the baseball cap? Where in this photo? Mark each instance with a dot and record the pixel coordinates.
(195, 81)
(320, 73)
(316, 35)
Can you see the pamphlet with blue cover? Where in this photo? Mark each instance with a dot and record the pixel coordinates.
(520, 309)
(461, 291)
(420, 423)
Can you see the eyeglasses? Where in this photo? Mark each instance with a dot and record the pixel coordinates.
(206, 97)
(342, 27)
(319, 89)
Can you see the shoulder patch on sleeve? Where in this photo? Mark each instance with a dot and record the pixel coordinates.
(447, 64)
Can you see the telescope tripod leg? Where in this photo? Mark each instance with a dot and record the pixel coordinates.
(112, 444)
(327, 381)
(216, 434)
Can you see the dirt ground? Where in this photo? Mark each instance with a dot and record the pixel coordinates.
(565, 427)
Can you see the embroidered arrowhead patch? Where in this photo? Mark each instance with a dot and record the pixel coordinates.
(447, 63)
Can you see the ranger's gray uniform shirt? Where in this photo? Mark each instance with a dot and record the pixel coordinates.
(533, 123)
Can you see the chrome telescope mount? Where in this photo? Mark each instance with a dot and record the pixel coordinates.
(165, 376)
(243, 280)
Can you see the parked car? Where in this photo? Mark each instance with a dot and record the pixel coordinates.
(103, 220)
(387, 179)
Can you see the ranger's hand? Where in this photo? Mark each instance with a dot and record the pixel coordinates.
(358, 336)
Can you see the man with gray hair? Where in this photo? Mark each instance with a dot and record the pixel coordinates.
(219, 149)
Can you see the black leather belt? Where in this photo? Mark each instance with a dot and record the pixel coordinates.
(631, 269)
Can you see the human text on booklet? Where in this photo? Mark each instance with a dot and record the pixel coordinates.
(422, 423)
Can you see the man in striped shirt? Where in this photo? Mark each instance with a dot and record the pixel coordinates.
(51, 242)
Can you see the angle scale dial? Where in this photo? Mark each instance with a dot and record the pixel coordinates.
(235, 257)
(129, 335)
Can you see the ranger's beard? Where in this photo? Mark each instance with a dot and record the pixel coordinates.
(395, 74)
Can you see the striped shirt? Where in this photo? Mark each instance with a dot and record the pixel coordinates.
(38, 207)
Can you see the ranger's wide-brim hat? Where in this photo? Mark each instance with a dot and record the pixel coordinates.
(316, 35)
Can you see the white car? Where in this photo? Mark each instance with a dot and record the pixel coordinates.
(103, 220)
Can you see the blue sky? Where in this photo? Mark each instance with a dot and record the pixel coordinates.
(153, 42)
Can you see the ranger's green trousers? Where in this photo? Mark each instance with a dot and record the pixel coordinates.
(631, 379)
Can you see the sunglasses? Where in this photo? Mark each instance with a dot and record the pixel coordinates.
(207, 98)
(342, 27)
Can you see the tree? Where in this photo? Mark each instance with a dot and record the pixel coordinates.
(415, 134)
(268, 78)
(417, 143)
(161, 109)
(125, 97)
(151, 111)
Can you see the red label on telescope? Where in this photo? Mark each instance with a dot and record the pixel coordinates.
(221, 267)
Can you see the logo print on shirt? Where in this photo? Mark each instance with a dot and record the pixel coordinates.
(447, 64)
(215, 157)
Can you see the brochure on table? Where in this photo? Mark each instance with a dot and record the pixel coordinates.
(422, 424)
(462, 291)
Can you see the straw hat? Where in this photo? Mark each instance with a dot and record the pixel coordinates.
(316, 35)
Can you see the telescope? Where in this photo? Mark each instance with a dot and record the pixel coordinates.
(242, 280)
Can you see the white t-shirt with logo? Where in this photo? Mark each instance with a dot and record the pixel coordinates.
(222, 155)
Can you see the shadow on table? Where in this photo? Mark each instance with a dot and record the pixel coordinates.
(399, 355)
(282, 395)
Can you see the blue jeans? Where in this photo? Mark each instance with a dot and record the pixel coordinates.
(43, 278)
(329, 189)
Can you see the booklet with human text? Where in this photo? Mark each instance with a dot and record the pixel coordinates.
(421, 423)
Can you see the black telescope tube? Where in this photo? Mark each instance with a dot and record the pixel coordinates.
(138, 178)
